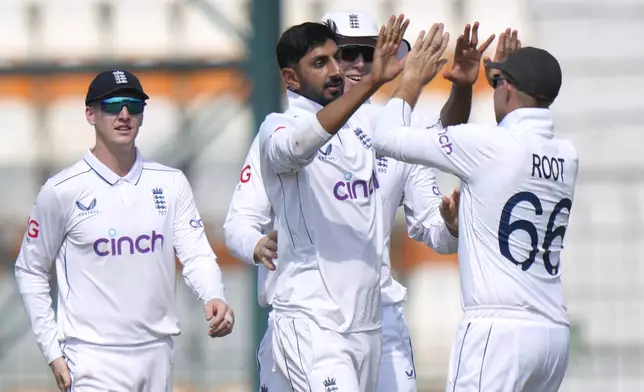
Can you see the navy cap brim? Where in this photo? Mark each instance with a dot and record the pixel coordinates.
(357, 41)
(494, 65)
(106, 94)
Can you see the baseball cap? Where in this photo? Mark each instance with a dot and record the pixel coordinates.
(107, 83)
(533, 71)
(357, 28)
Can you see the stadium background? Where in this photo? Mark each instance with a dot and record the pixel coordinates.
(209, 67)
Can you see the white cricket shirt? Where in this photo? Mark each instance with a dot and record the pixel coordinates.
(412, 186)
(113, 241)
(329, 216)
(517, 192)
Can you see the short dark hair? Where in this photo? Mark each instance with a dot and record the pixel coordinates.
(298, 40)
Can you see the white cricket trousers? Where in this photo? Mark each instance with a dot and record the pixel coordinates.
(137, 368)
(508, 355)
(396, 373)
(313, 359)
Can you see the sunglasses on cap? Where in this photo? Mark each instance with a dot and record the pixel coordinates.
(115, 105)
(351, 53)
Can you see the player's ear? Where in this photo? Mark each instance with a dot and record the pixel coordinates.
(90, 115)
(511, 93)
(290, 79)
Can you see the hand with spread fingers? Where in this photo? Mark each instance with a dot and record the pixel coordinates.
(422, 63)
(426, 57)
(467, 57)
(508, 43)
(386, 65)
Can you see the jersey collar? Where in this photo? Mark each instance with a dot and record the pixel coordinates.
(109, 176)
(530, 119)
(297, 102)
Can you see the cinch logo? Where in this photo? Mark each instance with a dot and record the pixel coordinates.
(444, 141)
(116, 246)
(196, 223)
(356, 189)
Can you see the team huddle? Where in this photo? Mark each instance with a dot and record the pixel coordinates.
(314, 212)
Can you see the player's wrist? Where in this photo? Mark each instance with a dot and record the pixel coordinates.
(370, 84)
(408, 92)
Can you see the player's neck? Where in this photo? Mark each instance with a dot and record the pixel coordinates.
(119, 160)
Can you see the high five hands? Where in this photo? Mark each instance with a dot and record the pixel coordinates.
(386, 65)
(467, 57)
(508, 43)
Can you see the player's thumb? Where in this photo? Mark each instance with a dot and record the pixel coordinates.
(441, 63)
(272, 235)
(268, 264)
(66, 380)
(209, 311)
(445, 202)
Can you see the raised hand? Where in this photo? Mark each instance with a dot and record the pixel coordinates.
(467, 57)
(508, 43)
(426, 57)
(386, 65)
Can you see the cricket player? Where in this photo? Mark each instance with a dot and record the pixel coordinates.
(112, 223)
(518, 182)
(250, 211)
(329, 213)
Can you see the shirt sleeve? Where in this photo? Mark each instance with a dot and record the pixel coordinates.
(421, 202)
(422, 120)
(40, 246)
(200, 269)
(249, 212)
(289, 144)
(460, 150)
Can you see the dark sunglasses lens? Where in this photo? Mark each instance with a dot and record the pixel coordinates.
(133, 106)
(112, 107)
(367, 54)
(349, 54)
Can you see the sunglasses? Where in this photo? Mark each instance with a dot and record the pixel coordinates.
(351, 53)
(497, 79)
(115, 105)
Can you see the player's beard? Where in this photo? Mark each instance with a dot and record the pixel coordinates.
(323, 96)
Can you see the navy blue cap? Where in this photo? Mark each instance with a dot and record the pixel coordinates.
(108, 83)
(533, 71)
